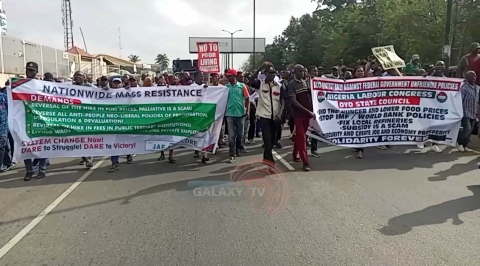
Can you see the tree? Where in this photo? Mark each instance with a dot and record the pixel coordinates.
(134, 58)
(348, 29)
(163, 61)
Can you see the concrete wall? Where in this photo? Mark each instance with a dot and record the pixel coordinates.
(17, 52)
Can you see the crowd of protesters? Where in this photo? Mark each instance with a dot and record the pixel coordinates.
(259, 104)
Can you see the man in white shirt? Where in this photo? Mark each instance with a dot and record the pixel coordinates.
(199, 77)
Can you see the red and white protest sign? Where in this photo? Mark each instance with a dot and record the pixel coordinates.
(208, 57)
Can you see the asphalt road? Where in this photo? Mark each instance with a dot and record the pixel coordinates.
(401, 206)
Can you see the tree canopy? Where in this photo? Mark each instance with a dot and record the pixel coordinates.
(134, 58)
(348, 29)
(163, 61)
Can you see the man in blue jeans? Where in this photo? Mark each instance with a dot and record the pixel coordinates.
(235, 114)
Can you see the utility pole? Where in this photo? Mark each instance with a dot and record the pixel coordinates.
(120, 41)
(447, 48)
(253, 63)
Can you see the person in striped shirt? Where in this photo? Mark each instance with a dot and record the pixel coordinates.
(470, 98)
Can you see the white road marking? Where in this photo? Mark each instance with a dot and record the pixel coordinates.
(5, 249)
(280, 158)
(11, 179)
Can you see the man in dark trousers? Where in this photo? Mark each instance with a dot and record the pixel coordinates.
(31, 71)
(271, 103)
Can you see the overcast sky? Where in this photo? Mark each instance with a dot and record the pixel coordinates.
(149, 27)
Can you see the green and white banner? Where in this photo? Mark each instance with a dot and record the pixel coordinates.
(50, 120)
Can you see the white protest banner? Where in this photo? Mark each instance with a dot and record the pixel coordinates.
(387, 57)
(208, 57)
(386, 111)
(50, 119)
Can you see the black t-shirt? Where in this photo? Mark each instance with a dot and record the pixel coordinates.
(299, 89)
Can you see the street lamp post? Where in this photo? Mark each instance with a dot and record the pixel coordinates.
(253, 59)
(231, 41)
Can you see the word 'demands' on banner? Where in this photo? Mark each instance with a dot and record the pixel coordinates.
(387, 57)
(386, 111)
(60, 120)
(208, 57)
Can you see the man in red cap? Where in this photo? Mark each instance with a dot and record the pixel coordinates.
(235, 114)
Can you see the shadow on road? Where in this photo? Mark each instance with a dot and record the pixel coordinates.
(436, 214)
(140, 168)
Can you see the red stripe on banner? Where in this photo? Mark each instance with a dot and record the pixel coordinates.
(379, 102)
(43, 98)
(18, 83)
(384, 83)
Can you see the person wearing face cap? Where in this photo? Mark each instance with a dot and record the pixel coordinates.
(79, 80)
(31, 71)
(117, 83)
(412, 66)
(235, 113)
(132, 82)
(466, 60)
(103, 82)
(48, 77)
(271, 103)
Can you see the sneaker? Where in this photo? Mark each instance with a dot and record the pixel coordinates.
(5, 168)
(277, 146)
(250, 141)
(382, 147)
(129, 159)
(435, 148)
(460, 148)
(113, 168)
(28, 176)
(82, 162)
(89, 163)
(306, 168)
(232, 159)
(468, 149)
(40, 175)
(421, 145)
(316, 154)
